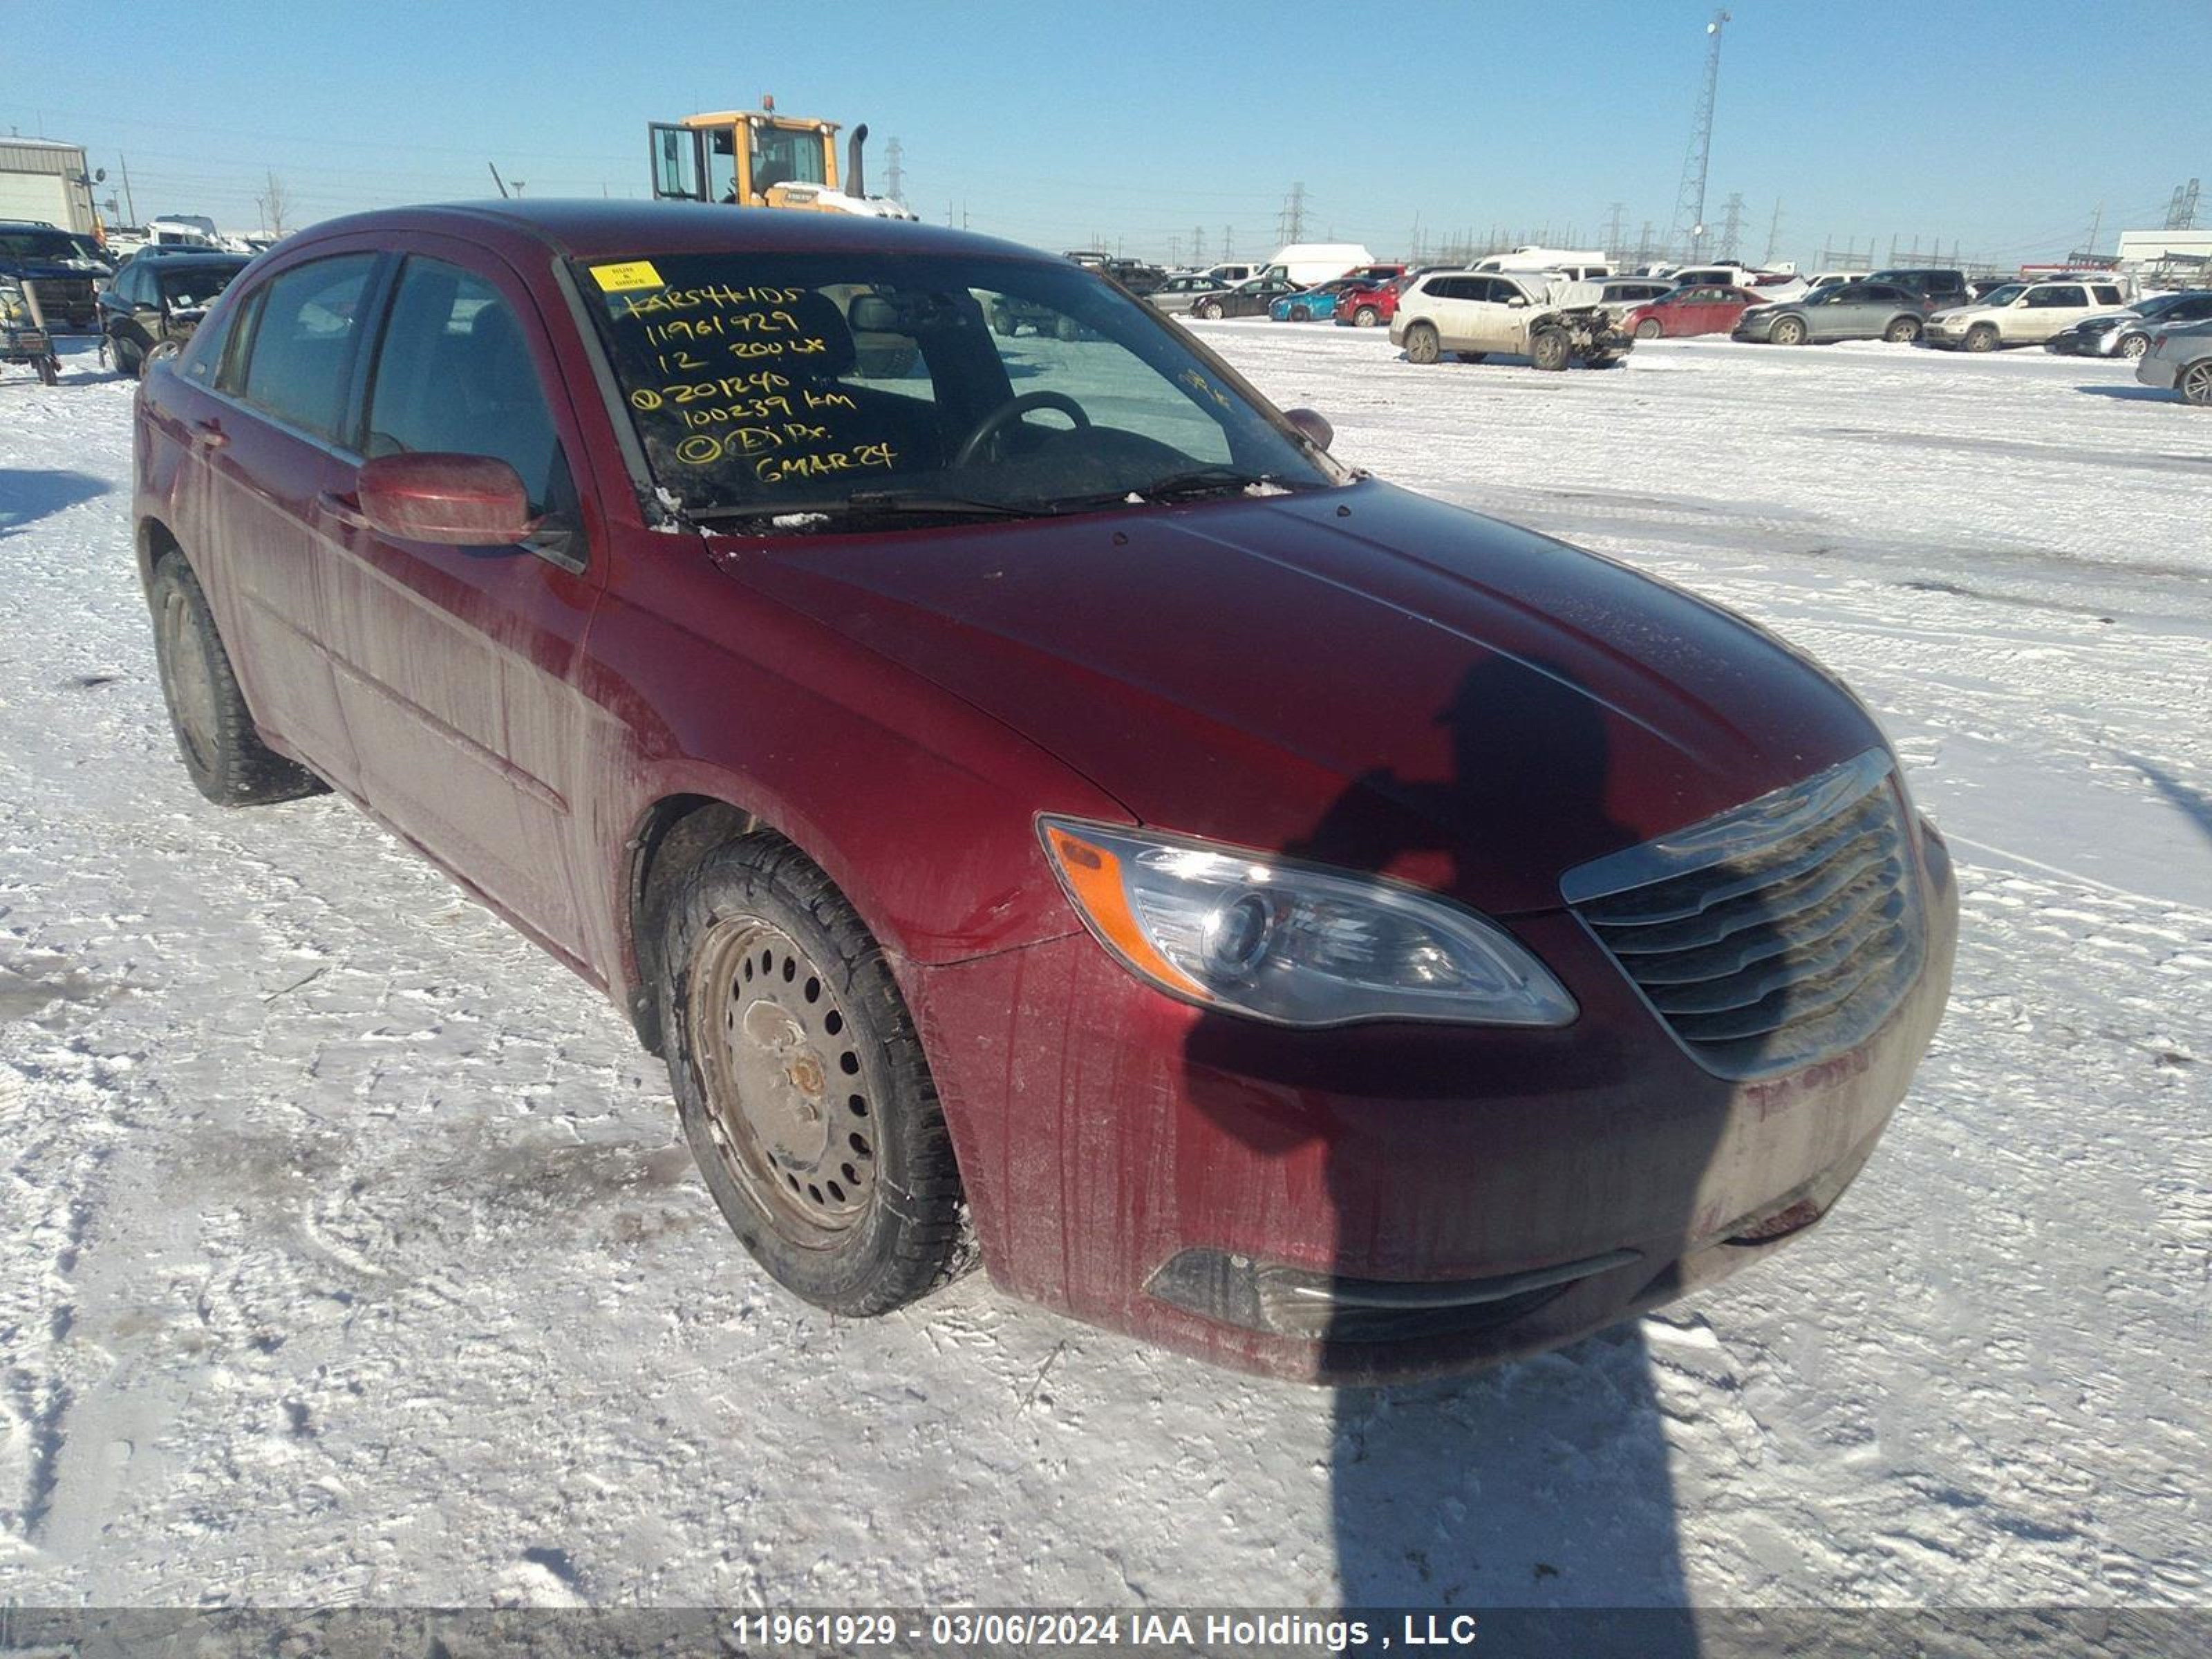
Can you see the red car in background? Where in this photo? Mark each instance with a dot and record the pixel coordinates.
(1046, 810)
(1686, 311)
(1374, 301)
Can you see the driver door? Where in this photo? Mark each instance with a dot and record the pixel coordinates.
(678, 163)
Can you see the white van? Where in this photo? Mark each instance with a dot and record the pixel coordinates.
(1576, 265)
(1308, 263)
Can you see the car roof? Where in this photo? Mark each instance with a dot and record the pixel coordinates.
(589, 230)
(206, 256)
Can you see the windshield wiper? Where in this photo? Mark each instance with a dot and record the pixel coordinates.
(861, 503)
(1192, 485)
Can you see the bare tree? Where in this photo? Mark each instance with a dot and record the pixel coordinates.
(275, 205)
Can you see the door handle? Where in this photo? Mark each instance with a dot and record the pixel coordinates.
(346, 509)
(209, 433)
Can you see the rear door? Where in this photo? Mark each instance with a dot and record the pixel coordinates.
(269, 433)
(457, 665)
(2045, 310)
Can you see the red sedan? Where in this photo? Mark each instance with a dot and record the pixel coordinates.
(1705, 310)
(1046, 810)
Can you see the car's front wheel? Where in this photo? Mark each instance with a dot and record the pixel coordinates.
(2134, 346)
(1981, 337)
(1791, 331)
(1422, 345)
(803, 1087)
(223, 753)
(1551, 350)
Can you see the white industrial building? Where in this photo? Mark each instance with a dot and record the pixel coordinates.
(2140, 248)
(41, 178)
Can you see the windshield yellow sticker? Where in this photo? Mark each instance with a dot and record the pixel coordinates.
(636, 273)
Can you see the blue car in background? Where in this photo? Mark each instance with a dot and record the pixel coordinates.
(1316, 305)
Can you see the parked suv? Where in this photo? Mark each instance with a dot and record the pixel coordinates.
(153, 305)
(60, 269)
(1334, 1022)
(1845, 311)
(2022, 313)
(1477, 314)
(1938, 287)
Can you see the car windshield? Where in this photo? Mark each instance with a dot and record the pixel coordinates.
(2005, 295)
(196, 285)
(60, 245)
(797, 389)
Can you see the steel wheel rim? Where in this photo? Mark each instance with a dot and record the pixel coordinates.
(2196, 383)
(792, 1121)
(190, 680)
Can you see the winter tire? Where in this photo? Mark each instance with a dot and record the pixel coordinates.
(1981, 337)
(1904, 331)
(1551, 350)
(224, 755)
(1422, 344)
(1791, 331)
(1210, 311)
(803, 1087)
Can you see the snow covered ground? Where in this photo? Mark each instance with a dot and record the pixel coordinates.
(351, 1253)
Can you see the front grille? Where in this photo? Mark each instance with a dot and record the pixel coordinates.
(1775, 935)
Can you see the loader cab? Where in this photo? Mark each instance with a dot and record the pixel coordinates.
(749, 158)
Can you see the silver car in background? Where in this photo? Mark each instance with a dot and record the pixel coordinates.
(1178, 295)
(1846, 311)
(2181, 360)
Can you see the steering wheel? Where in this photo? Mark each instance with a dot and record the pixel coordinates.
(1010, 411)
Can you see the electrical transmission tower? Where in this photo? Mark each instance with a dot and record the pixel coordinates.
(1613, 231)
(1732, 227)
(898, 180)
(2182, 215)
(1690, 207)
(1198, 244)
(1292, 222)
(1773, 233)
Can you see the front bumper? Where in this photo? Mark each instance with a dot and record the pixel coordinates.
(1390, 1200)
(2082, 345)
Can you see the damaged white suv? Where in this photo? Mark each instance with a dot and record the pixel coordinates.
(1477, 314)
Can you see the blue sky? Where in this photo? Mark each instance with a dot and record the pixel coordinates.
(2002, 126)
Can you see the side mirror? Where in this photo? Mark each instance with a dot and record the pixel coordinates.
(1518, 300)
(1311, 426)
(462, 500)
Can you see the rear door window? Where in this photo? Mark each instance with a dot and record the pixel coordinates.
(302, 349)
(2106, 295)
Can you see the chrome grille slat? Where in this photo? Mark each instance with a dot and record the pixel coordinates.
(1774, 936)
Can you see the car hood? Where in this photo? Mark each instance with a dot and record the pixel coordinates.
(1361, 676)
(1952, 313)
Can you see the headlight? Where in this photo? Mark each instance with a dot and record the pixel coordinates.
(1292, 944)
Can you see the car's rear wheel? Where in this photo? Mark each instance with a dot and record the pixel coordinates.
(1902, 331)
(223, 753)
(1366, 317)
(1649, 328)
(2196, 384)
(1210, 311)
(2134, 346)
(1789, 331)
(1981, 337)
(1422, 344)
(803, 1087)
(1551, 350)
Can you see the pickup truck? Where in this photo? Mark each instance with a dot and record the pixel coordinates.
(1478, 314)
